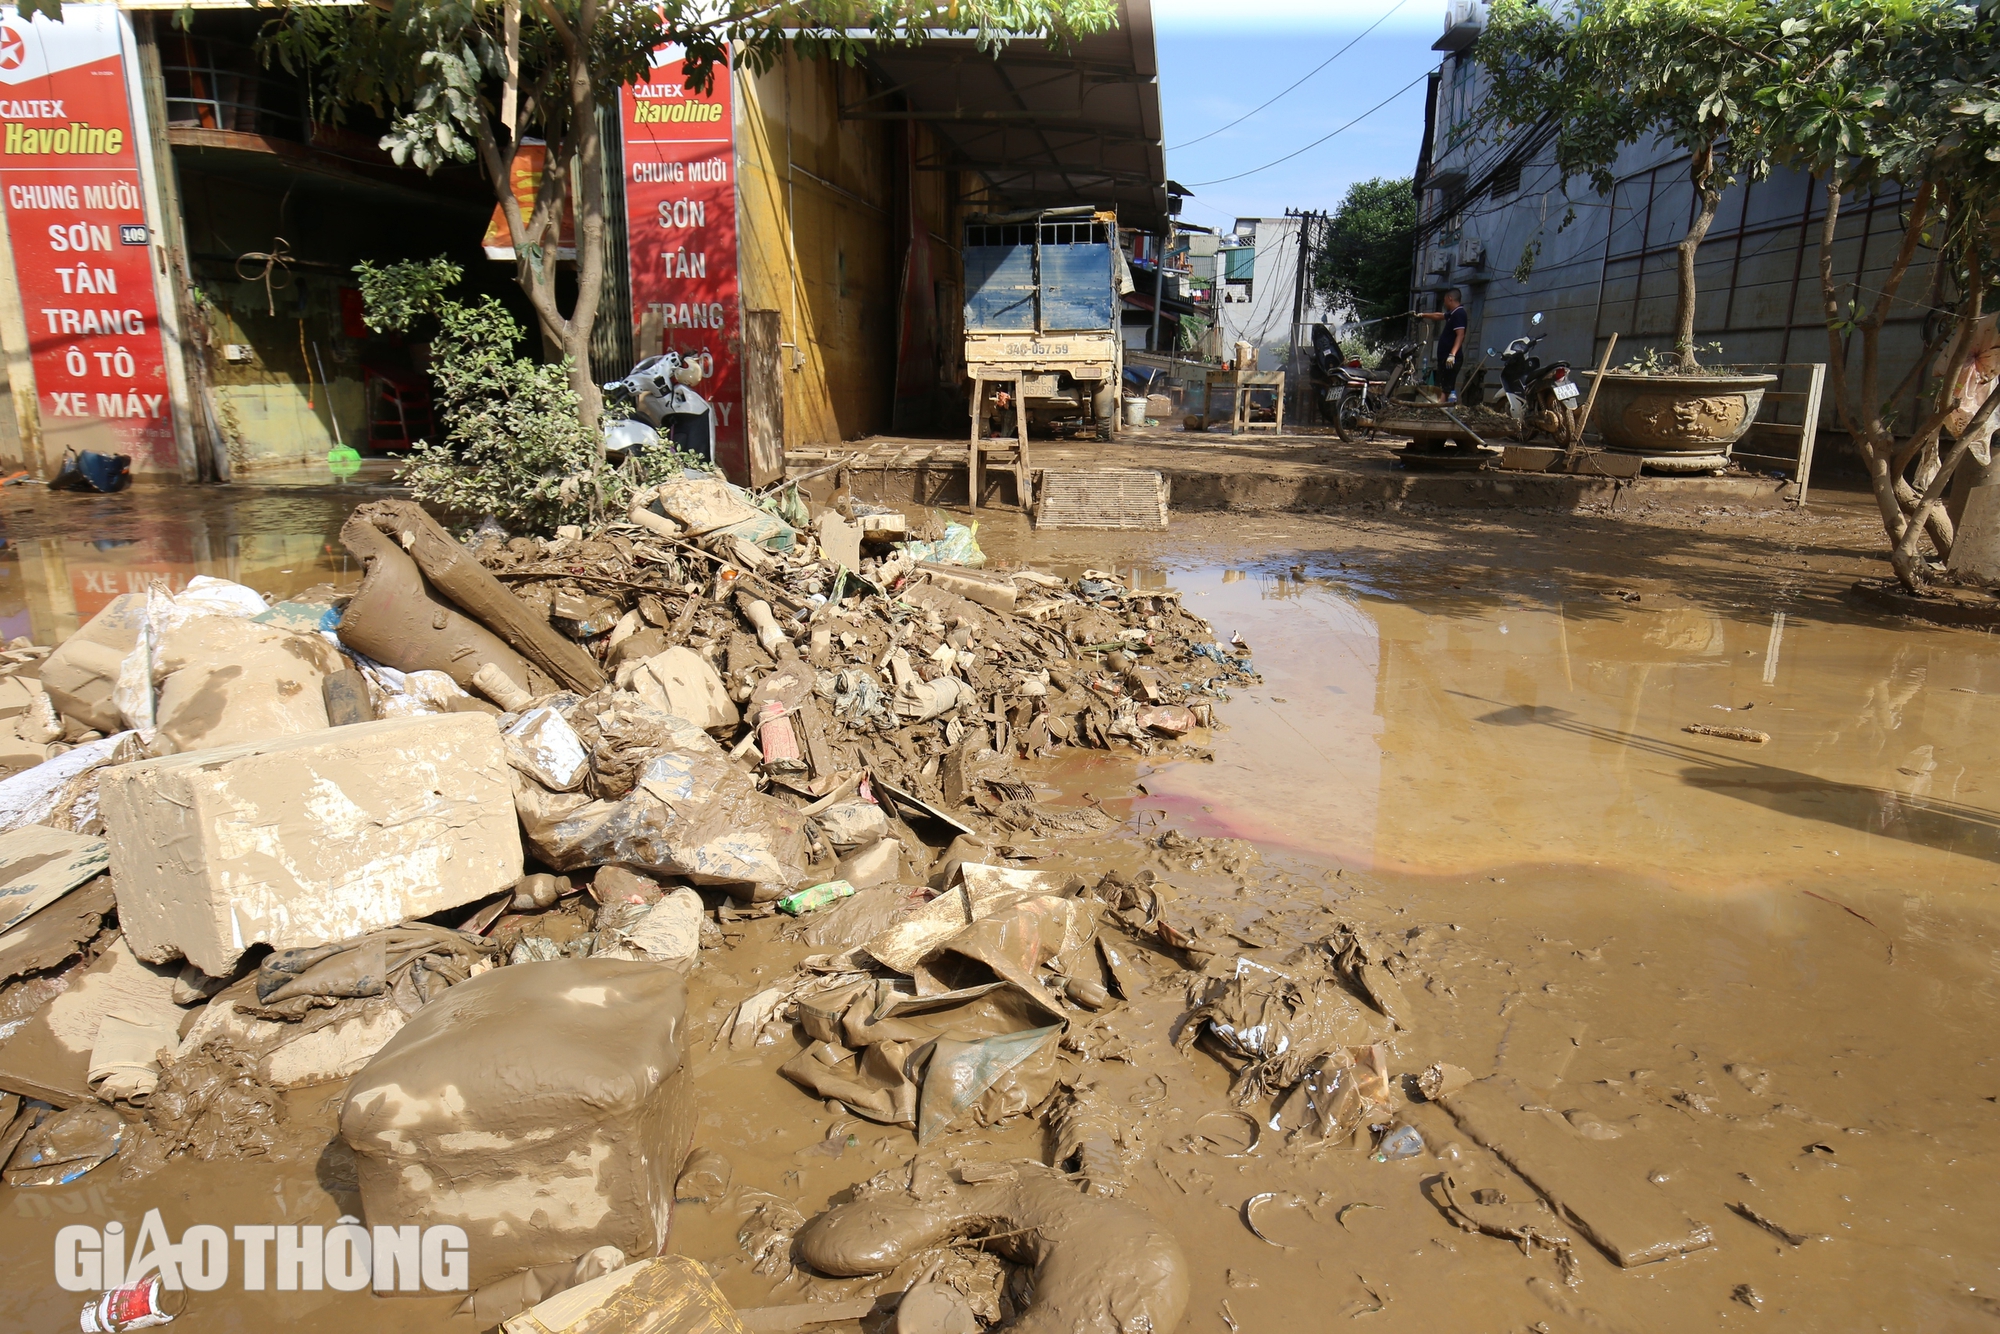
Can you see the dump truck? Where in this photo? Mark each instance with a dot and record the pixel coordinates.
(1042, 291)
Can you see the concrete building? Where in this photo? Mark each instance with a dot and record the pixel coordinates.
(1496, 220)
(1263, 301)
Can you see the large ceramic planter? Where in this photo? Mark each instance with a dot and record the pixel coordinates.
(1677, 416)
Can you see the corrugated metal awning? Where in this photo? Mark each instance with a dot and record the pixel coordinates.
(1045, 128)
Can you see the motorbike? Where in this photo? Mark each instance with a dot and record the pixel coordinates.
(1541, 399)
(658, 397)
(1349, 397)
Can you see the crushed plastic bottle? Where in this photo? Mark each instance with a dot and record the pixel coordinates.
(814, 897)
(1399, 1142)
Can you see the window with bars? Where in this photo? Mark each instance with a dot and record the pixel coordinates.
(1506, 181)
(217, 85)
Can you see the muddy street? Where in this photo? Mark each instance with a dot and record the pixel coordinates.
(1446, 981)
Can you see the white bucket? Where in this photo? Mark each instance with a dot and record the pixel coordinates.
(1135, 412)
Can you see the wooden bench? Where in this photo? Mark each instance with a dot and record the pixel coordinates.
(1241, 384)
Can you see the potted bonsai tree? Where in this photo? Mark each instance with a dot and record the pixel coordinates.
(1611, 73)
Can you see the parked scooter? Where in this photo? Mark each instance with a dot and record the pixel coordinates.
(1350, 398)
(658, 394)
(1542, 400)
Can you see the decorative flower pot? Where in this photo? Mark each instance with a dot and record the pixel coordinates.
(1677, 416)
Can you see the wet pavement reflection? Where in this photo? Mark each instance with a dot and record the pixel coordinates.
(1392, 734)
(66, 556)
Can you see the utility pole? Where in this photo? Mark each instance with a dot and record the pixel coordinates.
(1159, 291)
(1295, 367)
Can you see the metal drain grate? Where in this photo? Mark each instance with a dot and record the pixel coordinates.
(1101, 498)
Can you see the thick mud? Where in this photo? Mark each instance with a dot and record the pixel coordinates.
(1730, 1004)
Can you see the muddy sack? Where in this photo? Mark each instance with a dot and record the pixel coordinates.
(545, 1108)
(994, 1078)
(225, 680)
(62, 1146)
(89, 470)
(397, 619)
(709, 506)
(1100, 1266)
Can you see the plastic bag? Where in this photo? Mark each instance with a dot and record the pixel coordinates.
(135, 695)
(413, 694)
(663, 799)
(958, 546)
(65, 1145)
(788, 505)
(91, 471)
(34, 795)
(706, 504)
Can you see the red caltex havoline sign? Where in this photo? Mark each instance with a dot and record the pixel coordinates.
(680, 216)
(76, 218)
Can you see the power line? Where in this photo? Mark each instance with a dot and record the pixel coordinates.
(1309, 73)
(1323, 138)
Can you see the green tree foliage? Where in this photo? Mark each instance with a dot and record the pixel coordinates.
(396, 297)
(1870, 96)
(464, 81)
(513, 445)
(1371, 242)
(1608, 73)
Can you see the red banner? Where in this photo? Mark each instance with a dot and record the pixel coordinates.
(76, 216)
(680, 221)
(525, 175)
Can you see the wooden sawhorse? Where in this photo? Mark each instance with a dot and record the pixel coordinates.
(1004, 458)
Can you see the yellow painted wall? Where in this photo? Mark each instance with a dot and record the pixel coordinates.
(818, 240)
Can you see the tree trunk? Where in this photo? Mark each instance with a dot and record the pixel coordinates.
(1909, 513)
(537, 240)
(1863, 427)
(1701, 171)
(587, 134)
(510, 92)
(1908, 564)
(1935, 472)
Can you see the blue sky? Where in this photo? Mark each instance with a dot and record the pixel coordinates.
(1220, 58)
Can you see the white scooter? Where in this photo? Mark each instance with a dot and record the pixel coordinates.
(1540, 398)
(659, 394)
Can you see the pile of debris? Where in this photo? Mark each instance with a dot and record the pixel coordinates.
(889, 637)
(582, 754)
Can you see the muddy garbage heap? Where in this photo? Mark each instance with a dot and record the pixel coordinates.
(369, 837)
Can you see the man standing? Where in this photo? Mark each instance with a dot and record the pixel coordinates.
(1451, 341)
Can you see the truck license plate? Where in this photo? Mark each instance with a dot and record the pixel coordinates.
(1566, 390)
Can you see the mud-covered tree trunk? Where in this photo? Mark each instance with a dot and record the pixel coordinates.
(1701, 172)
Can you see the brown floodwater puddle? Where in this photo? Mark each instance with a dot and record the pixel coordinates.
(1740, 982)
(1395, 735)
